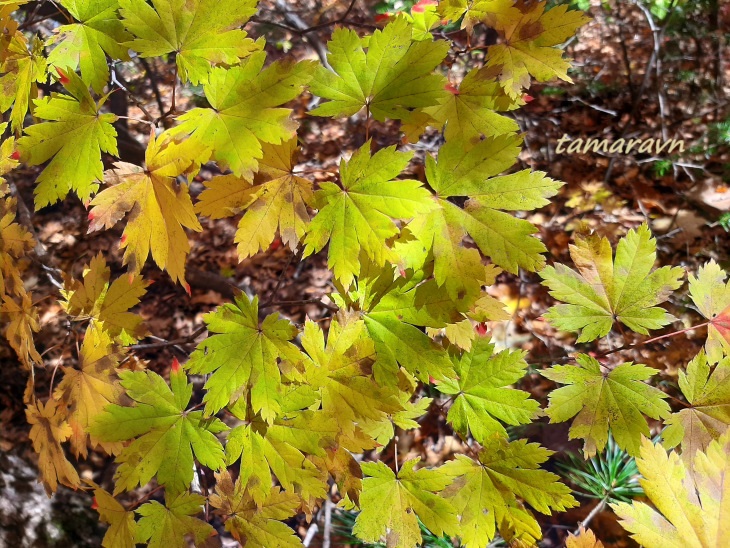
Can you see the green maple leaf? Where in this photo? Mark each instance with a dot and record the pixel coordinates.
(395, 309)
(484, 492)
(254, 524)
(242, 356)
(393, 77)
(687, 512)
(605, 291)
(76, 134)
(22, 68)
(245, 111)
(341, 373)
(711, 294)
(359, 214)
(201, 33)
(163, 526)
(470, 112)
(98, 33)
(708, 416)
(508, 241)
(282, 449)
(165, 434)
(601, 401)
(390, 504)
(482, 393)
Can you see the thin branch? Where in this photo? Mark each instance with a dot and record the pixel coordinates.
(320, 302)
(163, 344)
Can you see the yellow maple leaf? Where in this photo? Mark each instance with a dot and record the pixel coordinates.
(529, 47)
(23, 323)
(48, 429)
(159, 207)
(96, 299)
(86, 391)
(585, 539)
(275, 199)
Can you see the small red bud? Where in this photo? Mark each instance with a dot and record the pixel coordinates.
(381, 17)
(528, 98)
(15, 155)
(420, 7)
(481, 328)
(175, 367)
(124, 239)
(63, 78)
(431, 380)
(451, 88)
(91, 215)
(187, 290)
(95, 505)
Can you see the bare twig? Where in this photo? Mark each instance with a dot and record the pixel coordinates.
(163, 344)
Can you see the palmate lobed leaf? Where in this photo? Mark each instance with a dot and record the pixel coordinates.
(710, 292)
(603, 291)
(600, 401)
(359, 216)
(391, 78)
(165, 434)
(690, 512)
(484, 491)
(708, 416)
(390, 504)
(73, 137)
(201, 33)
(482, 393)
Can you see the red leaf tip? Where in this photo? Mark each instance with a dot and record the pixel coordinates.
(124, 236)
(481, 328)
(420, 7)
(62, 75)
(91, 215)
(187, 290)
(95, 505)
(15, 155)
(379, 18)
(175, 367)
(451, 88)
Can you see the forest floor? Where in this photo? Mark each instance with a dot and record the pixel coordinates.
(682, 197)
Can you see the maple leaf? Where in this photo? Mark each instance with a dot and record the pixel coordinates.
(708, 417)
(255, 525)
(159, 207)
(201, 33)
(603, 292)
(283, 449)
(22, 66)
(470, 112)
(601, 401)
(689, 513)
(122, 530)
(88, 390)
(584, 539)
(166, 433)
(476, 11)
(423, 17)
(393, 77)
(23, 322)
(482, 393)
(711, 294)
(98, 33)
(275, 199)
(508, 241)
(394, 311)
(96, 299)
(391, 504)
(245, 111)
(163, 526)
(529, 44)
(242, 356)
(484, 492)
(15, 240)
(359, 215)
(48, 429)
(73, 139)
(341, 373)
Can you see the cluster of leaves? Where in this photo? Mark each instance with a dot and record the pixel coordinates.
(411, 261)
